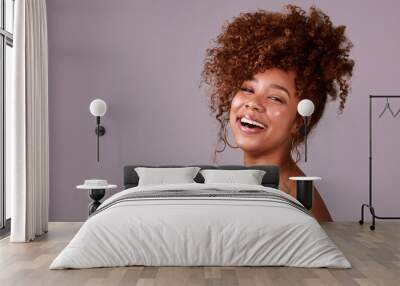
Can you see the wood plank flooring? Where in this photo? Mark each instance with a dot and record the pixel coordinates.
(374, 255)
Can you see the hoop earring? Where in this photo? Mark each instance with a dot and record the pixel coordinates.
(226, 140)
(294, 148)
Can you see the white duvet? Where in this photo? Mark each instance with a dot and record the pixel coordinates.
(200, 231)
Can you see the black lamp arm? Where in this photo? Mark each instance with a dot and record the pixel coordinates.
(305, 135)
(100, 131)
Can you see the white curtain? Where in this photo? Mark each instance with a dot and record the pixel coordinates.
(27, 123)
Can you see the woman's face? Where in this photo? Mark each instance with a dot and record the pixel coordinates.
(263, 112)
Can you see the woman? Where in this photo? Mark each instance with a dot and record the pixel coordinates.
(262, 64)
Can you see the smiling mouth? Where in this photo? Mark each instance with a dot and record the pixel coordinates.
(250, 123)
(250, 126)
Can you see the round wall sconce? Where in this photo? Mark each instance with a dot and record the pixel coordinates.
(98, 108)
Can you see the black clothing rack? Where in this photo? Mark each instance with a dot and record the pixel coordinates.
(369, 205)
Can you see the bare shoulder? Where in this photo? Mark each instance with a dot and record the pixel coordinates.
(287, 185)
(295, 171)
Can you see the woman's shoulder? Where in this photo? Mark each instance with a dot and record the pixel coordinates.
(294, 171)
(287, 185)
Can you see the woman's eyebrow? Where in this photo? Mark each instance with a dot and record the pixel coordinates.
(274, 85)
(277, 86)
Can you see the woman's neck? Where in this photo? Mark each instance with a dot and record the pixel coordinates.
(281, 158)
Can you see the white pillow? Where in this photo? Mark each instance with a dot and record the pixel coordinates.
(161, 176)
(249, 176)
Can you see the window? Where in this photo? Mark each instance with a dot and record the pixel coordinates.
(6, 60)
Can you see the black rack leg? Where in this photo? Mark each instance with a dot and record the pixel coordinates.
(361, 221)
(372, 227)
(372, 210)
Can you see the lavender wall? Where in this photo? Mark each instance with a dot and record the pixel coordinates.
(145, 58)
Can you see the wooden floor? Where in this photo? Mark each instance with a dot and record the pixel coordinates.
(374, 255)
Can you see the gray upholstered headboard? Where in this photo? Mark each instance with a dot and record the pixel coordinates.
(270, 179)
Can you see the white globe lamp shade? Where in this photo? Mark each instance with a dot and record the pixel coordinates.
(305, 107)
(98, 107)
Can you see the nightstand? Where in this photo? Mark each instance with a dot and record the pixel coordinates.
(305, 188)
(97, 189)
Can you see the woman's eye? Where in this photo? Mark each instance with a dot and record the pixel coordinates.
(246, 89)
(275, 98)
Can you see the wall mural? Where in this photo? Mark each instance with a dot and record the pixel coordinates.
(259, 68)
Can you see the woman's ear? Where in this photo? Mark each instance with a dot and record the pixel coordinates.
(302, 129)
(297, 124)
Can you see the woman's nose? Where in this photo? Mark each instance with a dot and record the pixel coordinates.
(253, 105)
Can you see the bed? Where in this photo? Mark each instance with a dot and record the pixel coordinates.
(201, 224)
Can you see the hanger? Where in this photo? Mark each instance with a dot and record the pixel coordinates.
(387, 106)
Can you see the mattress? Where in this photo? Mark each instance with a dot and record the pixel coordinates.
(201, 225)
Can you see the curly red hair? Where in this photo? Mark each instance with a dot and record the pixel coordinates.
(252, 42)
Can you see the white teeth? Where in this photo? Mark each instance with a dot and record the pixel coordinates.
(246, 120)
